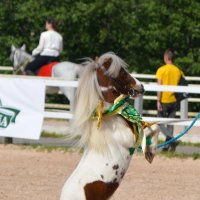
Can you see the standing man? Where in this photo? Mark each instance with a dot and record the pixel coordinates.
(168, 74)
(49, 48)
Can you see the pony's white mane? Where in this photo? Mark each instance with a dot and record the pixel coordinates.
(116, 64)
(87, 98)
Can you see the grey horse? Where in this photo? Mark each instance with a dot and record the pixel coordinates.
(66, 70)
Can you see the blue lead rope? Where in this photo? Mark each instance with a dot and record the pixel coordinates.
(181, 134)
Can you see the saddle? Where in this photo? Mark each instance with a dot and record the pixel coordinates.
(46, 70)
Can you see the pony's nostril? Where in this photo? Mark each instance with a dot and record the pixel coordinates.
(132, 92)
(142, 90)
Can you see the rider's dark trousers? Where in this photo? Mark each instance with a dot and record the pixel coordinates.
(39, 61)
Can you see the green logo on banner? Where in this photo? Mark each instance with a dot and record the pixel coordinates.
(8, 115)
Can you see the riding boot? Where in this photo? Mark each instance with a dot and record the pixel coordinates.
(30, 73)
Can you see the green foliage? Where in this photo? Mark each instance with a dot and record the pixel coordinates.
(137, 30)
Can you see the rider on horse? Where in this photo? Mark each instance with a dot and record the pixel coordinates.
(49, 48)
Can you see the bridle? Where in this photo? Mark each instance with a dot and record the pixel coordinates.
(20, 67)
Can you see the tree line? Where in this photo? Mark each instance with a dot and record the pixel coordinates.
(139, 31)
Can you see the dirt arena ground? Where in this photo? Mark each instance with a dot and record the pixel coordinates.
(27, 174)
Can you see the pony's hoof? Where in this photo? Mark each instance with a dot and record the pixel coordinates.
(149, 155)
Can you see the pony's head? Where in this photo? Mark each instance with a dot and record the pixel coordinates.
(103, 79)
(114, 79)
(19, 57)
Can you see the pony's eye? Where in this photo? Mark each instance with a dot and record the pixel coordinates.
(115, 92)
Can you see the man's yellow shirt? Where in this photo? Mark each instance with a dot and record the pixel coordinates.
(169, 75)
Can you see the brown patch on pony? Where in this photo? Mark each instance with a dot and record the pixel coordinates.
(99, 190)
(115, 167)
(124, 82)
(128, 123)
(107, 63)
(111, 94)
(123, 173)
(102, 79)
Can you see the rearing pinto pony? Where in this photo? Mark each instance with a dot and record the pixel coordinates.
(107, 137)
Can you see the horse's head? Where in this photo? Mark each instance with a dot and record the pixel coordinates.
(19, 57)
(114, 79)
(103, 80)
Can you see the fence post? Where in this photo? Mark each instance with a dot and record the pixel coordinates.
(184, 109)
(72, 98)
(138, 104)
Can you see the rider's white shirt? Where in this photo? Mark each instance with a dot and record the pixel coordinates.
(51, 44)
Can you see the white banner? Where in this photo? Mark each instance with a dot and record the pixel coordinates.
(21, 107)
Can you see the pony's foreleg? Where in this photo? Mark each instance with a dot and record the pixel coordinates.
(150, 150)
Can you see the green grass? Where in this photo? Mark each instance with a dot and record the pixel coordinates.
(45, 148)
(189, 144)
(52, 135)
(57, 135)
(49, 149)
(169, 154)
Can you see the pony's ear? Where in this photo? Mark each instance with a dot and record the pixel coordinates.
(97, 59)
(13, 48)
(23, 47)
(107, 62)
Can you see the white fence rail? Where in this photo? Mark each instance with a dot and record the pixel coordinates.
(55, 82)
(143, 76)
(151, 76)
(6, 68)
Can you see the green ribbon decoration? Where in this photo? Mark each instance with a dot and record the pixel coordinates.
(123, 106)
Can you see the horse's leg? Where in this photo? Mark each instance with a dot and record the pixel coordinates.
(69, 93)
(52, 90)
(152, 132)
(68, 71)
